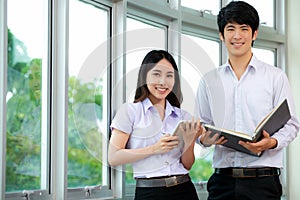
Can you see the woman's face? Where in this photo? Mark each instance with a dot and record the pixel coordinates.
(160, 81)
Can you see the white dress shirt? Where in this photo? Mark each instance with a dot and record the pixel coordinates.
(226, 102)
(143, 123)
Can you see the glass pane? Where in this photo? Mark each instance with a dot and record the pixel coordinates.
(267, 56)
(137, 48)
(211, 6)
(265, 11)
(25, 156)
(208, 52)
(198, 56)
(87, 121)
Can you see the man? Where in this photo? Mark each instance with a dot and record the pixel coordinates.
(236, 96)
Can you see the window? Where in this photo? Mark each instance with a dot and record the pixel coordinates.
(26, 99)
(199, 55)
(153, 37)
(209, 7)
(141, 38)
(88, 96)
(266, 11)
(267, 56)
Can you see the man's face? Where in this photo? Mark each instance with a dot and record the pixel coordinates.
(238, 39)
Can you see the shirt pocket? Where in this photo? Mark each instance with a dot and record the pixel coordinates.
(259, 103)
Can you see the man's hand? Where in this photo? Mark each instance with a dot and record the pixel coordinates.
(266, 143)
(207, 140)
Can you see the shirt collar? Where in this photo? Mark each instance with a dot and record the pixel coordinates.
(147, 104)
(252, 64)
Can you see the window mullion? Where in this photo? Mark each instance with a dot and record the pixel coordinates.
(118, 54)
(59, 118)
(3, 85)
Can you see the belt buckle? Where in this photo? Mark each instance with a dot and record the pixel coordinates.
(237, 173)
(171, 181)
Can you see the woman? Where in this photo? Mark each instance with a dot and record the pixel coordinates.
(141, 133)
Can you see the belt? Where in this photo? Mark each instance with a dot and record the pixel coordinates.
(167, 181)
(248, 172)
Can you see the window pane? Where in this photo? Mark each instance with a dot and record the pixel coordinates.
(208, 52)
(265, 11)
(137, 47)
(198, 56)
(267, 56)
(25, 156)
(212, 6)
(87, 115)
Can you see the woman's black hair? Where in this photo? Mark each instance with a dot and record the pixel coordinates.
(150, 60)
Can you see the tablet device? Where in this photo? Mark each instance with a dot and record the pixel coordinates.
(178, 130)
(182, 123)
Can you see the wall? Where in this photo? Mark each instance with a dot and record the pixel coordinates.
(293, 61)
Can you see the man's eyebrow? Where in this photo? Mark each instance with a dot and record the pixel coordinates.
(239, 26)
(244, 25)
(230, 26)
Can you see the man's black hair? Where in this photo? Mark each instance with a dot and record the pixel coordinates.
(238, 12)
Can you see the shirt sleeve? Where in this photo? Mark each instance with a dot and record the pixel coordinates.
(289, 132)
(123, 119)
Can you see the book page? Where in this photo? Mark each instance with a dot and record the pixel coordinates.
(238, 134)
(266, 118)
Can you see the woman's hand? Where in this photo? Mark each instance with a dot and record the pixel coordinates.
(165, 144)
(118, 154)
(191, 130)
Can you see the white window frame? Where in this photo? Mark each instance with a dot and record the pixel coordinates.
(104, 191)
(40, 193)
(3, 86)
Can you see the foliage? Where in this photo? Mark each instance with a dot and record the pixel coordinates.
(201, 170)
(24, 125)
(85, 139)
(23, 122)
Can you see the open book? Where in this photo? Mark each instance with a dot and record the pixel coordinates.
(274, 121)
